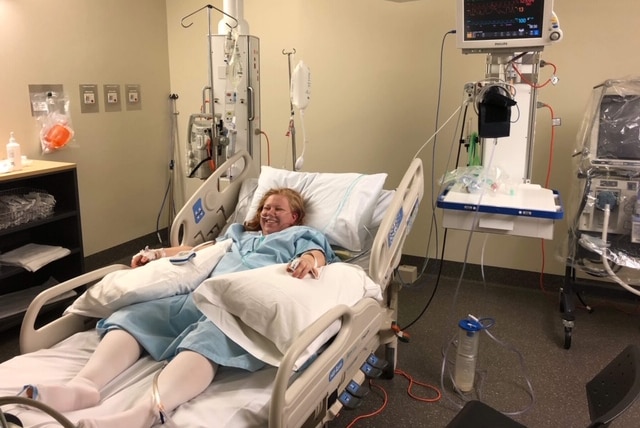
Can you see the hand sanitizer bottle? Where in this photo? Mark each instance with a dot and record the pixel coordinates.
(13, 153)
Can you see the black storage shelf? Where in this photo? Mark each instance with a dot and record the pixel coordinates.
(62, 228)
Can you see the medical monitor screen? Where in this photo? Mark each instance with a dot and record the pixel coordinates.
(618, 132)
(487, 25)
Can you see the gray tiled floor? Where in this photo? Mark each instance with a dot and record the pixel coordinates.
(527, 321)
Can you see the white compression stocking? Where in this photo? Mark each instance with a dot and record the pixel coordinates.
(116, 352)
(186, 376)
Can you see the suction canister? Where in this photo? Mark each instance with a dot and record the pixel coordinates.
(465, 368)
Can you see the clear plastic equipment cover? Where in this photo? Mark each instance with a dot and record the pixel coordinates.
(607, 173)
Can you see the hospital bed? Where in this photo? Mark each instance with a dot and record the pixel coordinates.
(283, 396)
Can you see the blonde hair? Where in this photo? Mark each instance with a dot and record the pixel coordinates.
(295, 202)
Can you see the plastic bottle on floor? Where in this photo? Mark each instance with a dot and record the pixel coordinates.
(465, 368)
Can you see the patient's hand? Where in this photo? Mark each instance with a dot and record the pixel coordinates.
(301, 266)
(145, 256)
(139, 260)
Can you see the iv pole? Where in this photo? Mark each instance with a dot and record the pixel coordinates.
(214, 129)
(168, 196)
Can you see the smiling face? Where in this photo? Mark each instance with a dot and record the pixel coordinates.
(276, 214)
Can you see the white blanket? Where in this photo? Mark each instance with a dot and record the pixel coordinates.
(155, 280)
(264, 310)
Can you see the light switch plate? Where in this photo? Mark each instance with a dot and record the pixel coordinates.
(112, 95)
(89, 99)
(133, 97)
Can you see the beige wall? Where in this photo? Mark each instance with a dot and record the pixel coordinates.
(375, 67)
(121, 156)
(375, 76)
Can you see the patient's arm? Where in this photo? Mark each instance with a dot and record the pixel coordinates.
(147, 255)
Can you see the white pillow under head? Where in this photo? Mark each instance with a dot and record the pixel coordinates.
(340, 205)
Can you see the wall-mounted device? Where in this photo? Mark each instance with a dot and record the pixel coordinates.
(199, 146)
(484, 26)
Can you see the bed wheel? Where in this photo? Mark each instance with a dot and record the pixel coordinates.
(390, 357)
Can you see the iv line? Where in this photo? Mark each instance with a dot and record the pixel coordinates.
(300, 160)
(437, 132)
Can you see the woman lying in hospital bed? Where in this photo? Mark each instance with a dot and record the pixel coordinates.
(299, 384)
(174, 329)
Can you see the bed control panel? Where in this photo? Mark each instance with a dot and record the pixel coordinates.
(354, 392)
(374, 366)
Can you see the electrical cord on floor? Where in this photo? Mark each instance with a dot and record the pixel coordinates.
(385, 400)
(410, 393)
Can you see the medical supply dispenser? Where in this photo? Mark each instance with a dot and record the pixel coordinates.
(468, 339)
(13, 153)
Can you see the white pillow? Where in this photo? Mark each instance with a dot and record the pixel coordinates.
(264, 310)
(157, 279)
(340, 205)
(381, 207)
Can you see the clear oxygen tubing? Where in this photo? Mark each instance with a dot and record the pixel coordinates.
(155, 395)
(445, 367)
(605, 260)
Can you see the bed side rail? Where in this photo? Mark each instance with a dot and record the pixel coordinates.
(396, 224)
(31, 338)
(204, 215)
(292, 404)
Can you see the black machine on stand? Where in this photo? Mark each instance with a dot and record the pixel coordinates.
(604, 237)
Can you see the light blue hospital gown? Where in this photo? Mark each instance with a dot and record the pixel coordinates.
(164, 327)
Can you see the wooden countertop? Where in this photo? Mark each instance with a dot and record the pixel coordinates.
(37, 167)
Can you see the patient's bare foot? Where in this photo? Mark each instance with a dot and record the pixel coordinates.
(77, 394)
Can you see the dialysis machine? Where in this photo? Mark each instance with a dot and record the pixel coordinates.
(604, 232)
(229, 119)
